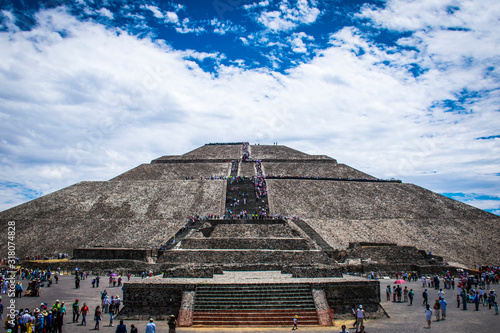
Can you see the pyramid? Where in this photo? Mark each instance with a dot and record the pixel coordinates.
(339, 210)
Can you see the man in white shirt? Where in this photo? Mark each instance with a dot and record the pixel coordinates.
(360, 316)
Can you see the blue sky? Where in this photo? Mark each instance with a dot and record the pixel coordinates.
(403, 89)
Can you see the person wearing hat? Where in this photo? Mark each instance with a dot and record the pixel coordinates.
(360, 317)
(172, 323)
(39, 320)
(76, 311)
(295, 318)
(151, 327)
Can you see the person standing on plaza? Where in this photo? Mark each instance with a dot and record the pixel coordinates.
(360, 317)
(444, 305)
(172, 323)
(111, 311)
(388, 292)
(76, 311)
(464, 299)
(428, 315)
(97, 317)
(437, 309)
(425, 295)
(411, 294)
(475, 299)
(122, 328)
(84, 310)
(151, 327)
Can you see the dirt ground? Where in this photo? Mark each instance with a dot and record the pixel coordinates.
(403, 318)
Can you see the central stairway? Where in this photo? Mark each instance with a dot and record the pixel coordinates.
(254, 305)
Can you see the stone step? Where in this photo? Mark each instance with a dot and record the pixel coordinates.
(220, 297)
(254, 305)
(254, 286)
(258, 305)
(255, 318)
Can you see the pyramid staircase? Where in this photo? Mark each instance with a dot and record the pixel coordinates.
(254, 305)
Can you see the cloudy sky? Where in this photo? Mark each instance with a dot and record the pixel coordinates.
(402, 89)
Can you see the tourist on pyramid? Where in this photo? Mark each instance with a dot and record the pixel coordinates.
(295, 322)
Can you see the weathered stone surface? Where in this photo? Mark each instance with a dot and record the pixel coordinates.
(325, 317)
(244, 257)
(247, 169)
(263, 152)
(343, 212)
(229, 152)
(113, 253)
(132, 214)
(246, 243)
(341, 296)
(175, 171)
(312, 169)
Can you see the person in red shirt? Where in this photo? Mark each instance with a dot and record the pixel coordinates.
(84, 310)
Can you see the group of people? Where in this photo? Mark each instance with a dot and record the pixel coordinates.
(42, 319)
(399, 294)
(371, 180)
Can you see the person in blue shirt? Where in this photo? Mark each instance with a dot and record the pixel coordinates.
(151, 327)
(443, 304)
(122, 328)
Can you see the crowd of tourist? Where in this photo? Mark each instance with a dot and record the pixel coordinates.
(373, 180)
(472, 288)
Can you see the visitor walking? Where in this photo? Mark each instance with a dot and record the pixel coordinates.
(428, 315)
(437, 309)
(97, 317)
(295, 318)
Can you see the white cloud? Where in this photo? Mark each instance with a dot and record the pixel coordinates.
(106, 12)
(172, 17)
(96, 103)
(289, 16)
(297, 42)
(155, 10)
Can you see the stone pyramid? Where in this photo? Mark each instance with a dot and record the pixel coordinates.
(342, 209)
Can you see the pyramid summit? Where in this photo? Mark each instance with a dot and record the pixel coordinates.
(335, 206)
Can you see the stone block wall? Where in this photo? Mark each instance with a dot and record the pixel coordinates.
(244, 257)
(341, 296)
(246, 243)
(113, 253)
(152, 300)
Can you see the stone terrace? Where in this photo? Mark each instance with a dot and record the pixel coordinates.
(229, 152)
(263, 152)
(175, 171)
(312, 169)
